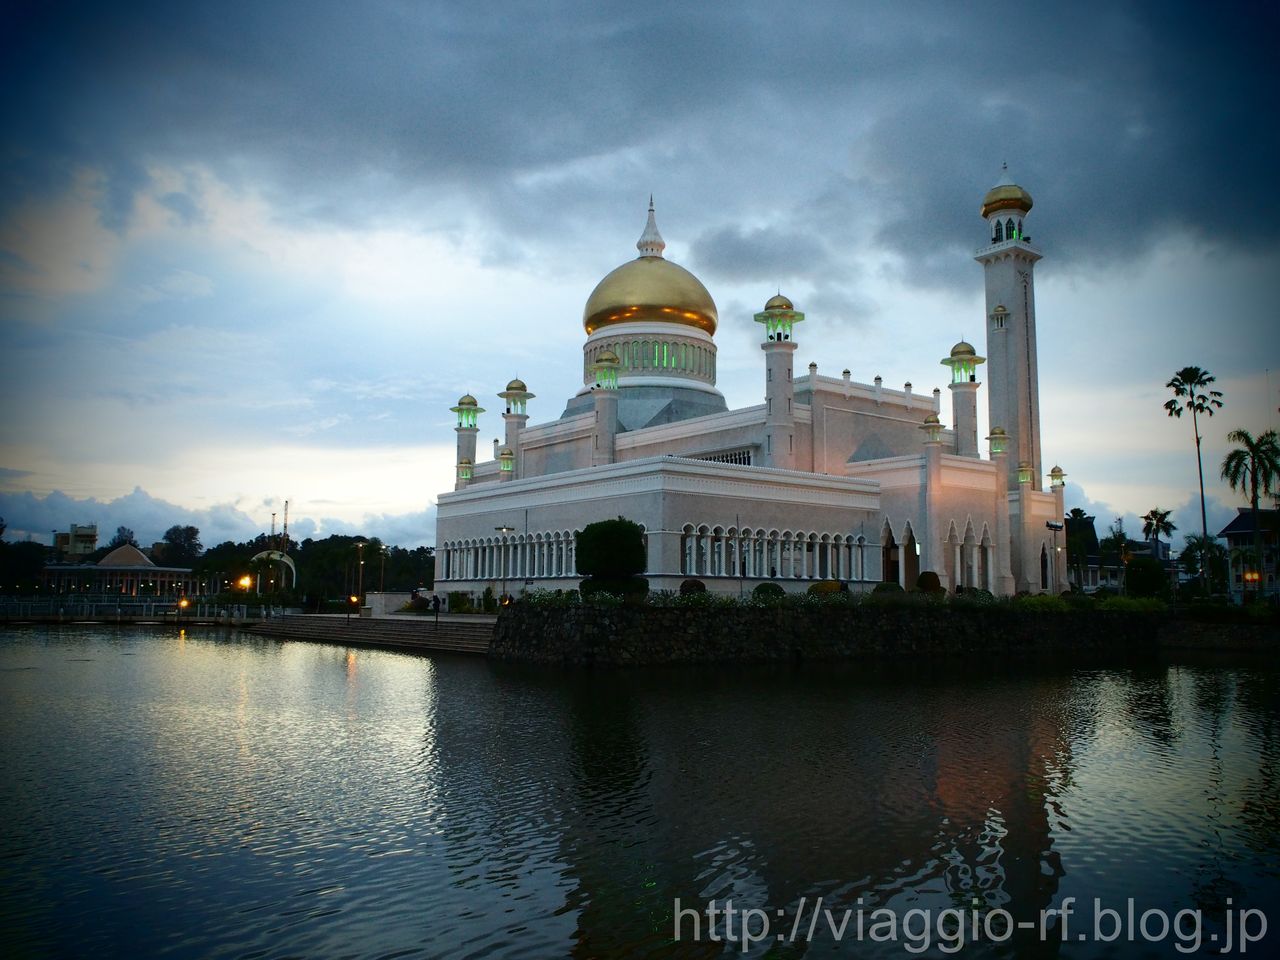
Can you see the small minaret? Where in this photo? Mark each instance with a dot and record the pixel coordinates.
(468, 412)
(1008, 262)
(779, 318)
(516, 416)
(506, 464)
(999, 441)
(963, 362)
(605, 395)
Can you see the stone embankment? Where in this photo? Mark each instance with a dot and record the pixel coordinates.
(450, 635)
(581, 635)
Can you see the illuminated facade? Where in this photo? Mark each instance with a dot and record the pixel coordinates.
(826, 479)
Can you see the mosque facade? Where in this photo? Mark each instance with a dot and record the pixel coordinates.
(827, 479)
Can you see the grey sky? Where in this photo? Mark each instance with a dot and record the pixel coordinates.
(294, 231)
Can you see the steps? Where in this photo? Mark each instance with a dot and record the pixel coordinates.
(450, 636)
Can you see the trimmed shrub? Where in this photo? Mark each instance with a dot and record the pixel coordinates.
(768, 591)
(611, 549)
(1145, 577)
(928, 582)
(1041, 603)
(1133, 605)
(975, 596)
(887, 586)
(692, 586)
(828, 587)
(631, 589)
(459, 602)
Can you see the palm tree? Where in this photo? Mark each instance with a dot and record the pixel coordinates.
(1080, 538)
(1253, 467)
(1189, 393)
(1208, 555)
(1156, 522)
(1115, 546)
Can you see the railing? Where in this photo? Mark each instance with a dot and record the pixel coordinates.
(71, 608)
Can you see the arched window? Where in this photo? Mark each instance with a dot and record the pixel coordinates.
(999, 233)
(1008, 229)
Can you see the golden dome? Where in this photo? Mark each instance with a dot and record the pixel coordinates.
(517, 386)
(963, 349)
(608, 356)
(650, 289)
(467, 400)
(464, 461)
(932, 419)
(1006, 195)
(779, 302)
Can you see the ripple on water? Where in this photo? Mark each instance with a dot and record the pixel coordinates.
(214, 798)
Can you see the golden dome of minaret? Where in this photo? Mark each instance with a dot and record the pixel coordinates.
(1006, 195)
(650, 289)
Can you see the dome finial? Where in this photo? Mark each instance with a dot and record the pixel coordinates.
(651, 243)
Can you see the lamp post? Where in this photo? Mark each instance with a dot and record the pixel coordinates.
(502, 563)
(360, 580)
(1055, 526)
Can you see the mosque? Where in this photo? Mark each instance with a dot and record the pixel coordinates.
(827, 479)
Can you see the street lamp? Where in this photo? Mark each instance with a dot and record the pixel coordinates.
(1055, 526)
(360, 553)
(502, 563)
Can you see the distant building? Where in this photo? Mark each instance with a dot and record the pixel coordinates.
(1240, 546)
(124, 572)
(79, 541)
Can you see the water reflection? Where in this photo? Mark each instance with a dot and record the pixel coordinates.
(207, 796)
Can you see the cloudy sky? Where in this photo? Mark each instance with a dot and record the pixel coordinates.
(252, 252)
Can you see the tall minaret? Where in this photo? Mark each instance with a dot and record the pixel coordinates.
(1009, 260)
(468, 412)
(778, 317)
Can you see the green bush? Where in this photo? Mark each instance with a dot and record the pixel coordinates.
(1145, 577)
(888, 586)
(692, 586)
(768, 591)
(611, 549)
(632, 589)
(929, 582)
(1133, 605)
(551, 598)
(460, 602)
(975, 596)
(828, 587)
(1041, 603)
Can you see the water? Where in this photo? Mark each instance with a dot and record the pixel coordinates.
(221, 795)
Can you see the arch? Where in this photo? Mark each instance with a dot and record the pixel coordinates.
(1008, 229)
(999, 234)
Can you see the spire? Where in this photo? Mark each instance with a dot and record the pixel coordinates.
(651, 243)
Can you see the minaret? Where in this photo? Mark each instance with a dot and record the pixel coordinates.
(468, 412)
(516, 416)
(963, 362)
(1009, 261)
(778, 318)
(605, 398)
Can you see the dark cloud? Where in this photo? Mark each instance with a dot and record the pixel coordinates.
(763, 255)
(1123, 120)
